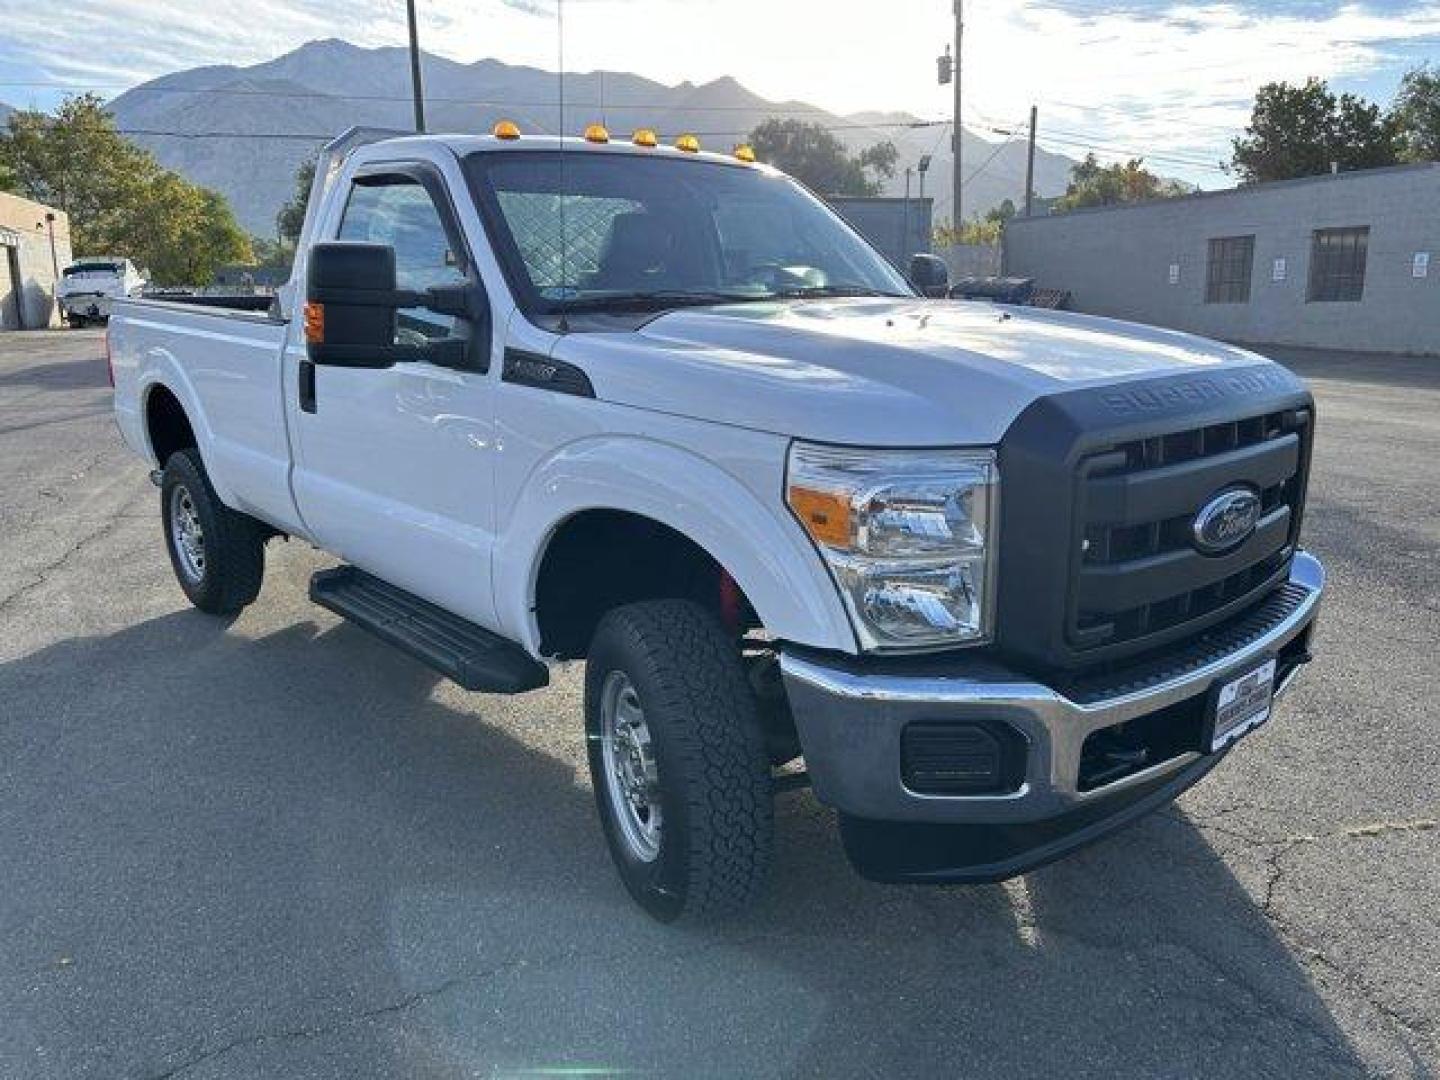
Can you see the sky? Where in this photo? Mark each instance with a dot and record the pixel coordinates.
(1171, 81)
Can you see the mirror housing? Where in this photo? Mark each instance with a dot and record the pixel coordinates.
(929, 274)
(351, 301)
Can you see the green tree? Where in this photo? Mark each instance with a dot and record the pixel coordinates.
(1416, 114)
(76, 161)
(818, 159)
(1094, 184)
(120, 201)
(291, 219)
(999, 215)
(1301, 130)
(269, 252)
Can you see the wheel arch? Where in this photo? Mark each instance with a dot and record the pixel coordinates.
(673, 493)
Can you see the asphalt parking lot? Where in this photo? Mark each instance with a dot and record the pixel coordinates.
(273, 848)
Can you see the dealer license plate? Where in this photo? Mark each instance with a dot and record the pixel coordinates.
(1242, 705)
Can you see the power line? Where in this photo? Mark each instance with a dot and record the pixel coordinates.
(1161, 157)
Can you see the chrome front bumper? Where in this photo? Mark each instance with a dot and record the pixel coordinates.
(850, 716)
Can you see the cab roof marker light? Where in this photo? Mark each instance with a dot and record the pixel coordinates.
(645, 137)
(745, 153)
(506, 129)
(596, 133)
(688, 143)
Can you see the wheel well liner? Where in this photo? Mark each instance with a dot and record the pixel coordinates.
(166, 425)
(597, 560)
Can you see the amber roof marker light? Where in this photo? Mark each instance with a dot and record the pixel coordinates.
(745, 153)
(506, 129)
(688, 143)
(596, 133)
(645, 137)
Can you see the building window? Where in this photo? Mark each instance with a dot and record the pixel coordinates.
(1227, 276)
(1337, 264)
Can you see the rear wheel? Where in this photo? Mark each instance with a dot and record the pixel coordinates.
(678, 760)
(217, 553)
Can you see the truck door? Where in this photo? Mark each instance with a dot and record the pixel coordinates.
(392, 466)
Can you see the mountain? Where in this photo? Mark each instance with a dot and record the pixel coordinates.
(278, 112)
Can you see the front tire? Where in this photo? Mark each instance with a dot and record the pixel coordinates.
(217, 553)
(678, 760)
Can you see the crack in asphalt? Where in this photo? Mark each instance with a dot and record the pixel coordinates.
(421, 997)
(43, 575)
(316, 1031)
(1280, 849)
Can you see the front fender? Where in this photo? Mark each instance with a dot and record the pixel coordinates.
(759, 545)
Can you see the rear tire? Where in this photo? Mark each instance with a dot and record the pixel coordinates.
(217, 553)
(668, 711)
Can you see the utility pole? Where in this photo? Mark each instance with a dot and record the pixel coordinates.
(415, 69)
(1030, 164)
(958, 130)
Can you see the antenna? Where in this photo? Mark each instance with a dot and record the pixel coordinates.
(564, 325)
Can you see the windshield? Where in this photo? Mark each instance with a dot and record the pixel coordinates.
(664, 231)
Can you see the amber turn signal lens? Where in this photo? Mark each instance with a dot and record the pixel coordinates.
(689, 143)
(506, 129)
(314, 323)
(825, 515)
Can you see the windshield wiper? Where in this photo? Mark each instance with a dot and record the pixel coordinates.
(657, 298)
(806, 292)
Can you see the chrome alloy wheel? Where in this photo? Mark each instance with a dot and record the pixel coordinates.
(186, 534)
(632, 780)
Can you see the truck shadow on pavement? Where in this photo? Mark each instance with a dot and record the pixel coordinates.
(298, 855)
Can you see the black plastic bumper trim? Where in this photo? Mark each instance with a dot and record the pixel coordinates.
(907, 853)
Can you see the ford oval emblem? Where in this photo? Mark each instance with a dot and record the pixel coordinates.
(1226, 520)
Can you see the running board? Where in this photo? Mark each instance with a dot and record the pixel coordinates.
(470, 655)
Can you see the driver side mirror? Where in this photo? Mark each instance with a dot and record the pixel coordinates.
(929, 274)
(351, 301)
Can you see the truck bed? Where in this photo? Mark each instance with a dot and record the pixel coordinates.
(231, 363)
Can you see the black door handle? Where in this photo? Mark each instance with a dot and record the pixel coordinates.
(307, 386)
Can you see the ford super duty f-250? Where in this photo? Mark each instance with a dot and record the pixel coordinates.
(995, 580)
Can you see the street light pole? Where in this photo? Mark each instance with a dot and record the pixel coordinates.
(54, 258)
(419, 86)
(905, 221)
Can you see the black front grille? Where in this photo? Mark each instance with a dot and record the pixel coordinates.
(1099, 564)
(1139, 573)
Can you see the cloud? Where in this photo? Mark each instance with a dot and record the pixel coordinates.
(1173, 80)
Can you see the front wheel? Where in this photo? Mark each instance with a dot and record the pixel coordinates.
(218, 554)
(678, 760)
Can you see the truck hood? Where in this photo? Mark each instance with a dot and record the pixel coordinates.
(876, 372)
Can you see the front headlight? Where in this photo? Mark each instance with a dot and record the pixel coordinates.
(909, 536)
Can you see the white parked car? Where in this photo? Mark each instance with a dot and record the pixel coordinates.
(995, 581)
(90, 286)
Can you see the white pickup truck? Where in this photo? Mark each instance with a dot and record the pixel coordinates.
(89, 287)
(994, 581)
